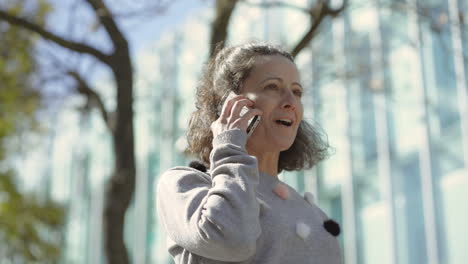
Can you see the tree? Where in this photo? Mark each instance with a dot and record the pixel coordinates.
(29, 228)
(119, 121)
(121, 185)
(17, 67)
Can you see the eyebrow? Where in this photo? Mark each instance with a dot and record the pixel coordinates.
(280, 80)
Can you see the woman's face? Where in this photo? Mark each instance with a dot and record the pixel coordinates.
(274, 86)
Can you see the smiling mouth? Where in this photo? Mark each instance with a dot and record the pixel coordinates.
(284, 122)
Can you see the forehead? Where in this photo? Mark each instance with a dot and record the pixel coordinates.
(274, 66)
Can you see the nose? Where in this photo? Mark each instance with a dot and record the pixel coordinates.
(289, 101)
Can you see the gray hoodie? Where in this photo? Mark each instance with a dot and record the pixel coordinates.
(234, 214)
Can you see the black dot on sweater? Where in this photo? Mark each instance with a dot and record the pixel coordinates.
(332, 227)
(198, 165)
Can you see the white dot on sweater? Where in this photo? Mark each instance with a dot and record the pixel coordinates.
(302, 230)
(309, 197)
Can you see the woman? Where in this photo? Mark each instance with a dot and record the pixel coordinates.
(239, 211)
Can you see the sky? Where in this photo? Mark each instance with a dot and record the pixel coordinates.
(73, 19)
(140, 31)
(142, 35)
(145, 31)
(178, 12)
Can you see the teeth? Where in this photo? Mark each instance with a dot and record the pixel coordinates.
(286, 122)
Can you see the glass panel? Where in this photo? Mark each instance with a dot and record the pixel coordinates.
(454, 186)
(375, 241)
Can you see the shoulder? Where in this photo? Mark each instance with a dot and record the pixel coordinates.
(181, 178)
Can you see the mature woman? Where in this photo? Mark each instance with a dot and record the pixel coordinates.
(238, 210)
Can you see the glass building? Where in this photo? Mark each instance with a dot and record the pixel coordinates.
(387, 82)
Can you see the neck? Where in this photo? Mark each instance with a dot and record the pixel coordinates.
(267, 161)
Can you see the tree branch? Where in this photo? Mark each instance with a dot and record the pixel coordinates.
(74, 46)
(107, 20)
(308, 36)
(335, 12)
(317, 14)
(84, 89)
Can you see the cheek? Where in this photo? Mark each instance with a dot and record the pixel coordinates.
(300, 111)
(266, 105)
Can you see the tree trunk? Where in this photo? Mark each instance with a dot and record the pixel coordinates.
(219, 27)
(121, 185)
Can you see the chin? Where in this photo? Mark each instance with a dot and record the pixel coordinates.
(285, 148)
(271, 143)
(285, 145)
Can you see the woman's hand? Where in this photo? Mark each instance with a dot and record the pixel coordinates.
(230, 117)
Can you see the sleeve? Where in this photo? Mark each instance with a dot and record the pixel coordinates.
(217, 218)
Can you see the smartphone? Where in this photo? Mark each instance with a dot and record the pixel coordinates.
(253, 122)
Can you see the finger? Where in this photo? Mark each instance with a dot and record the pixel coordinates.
(228, 103)
(243, 122)
(237, 107)
(251, 113)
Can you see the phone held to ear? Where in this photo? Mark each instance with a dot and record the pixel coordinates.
(253, 122)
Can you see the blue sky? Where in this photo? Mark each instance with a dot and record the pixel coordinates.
(176, 15)
(140, 31)
(73, 20)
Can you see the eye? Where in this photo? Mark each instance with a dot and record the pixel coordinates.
(298, 93)
(271, 86)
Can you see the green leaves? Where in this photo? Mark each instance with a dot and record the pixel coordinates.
(29, 228)
(19, 100)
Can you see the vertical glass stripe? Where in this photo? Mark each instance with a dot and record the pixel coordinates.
(424, 150)
(382, 138)
(459, 73)
(347, 191)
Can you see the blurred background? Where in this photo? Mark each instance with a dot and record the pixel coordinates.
(95, 98)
